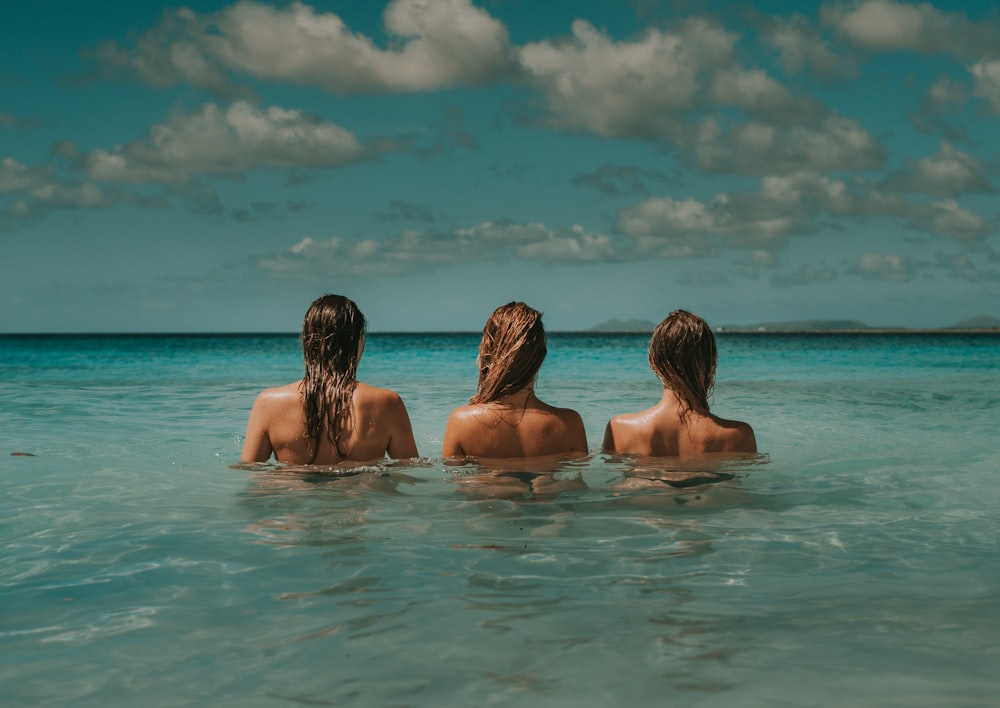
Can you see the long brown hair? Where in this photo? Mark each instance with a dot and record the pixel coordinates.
(682, 352)
(332, 332)
(511, 352)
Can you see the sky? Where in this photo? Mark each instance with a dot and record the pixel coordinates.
(216, 166)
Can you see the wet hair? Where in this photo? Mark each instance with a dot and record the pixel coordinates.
(332, 332)
(682, 352)
(511, 352)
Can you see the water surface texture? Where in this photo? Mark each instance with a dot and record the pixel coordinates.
(854, 564)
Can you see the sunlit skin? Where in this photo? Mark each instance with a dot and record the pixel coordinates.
(661, 431)
(518, 425)
(379, 425)
(682, 353)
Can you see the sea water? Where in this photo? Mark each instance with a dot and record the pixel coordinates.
(854, 563)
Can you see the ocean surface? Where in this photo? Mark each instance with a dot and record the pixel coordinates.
(855, 562)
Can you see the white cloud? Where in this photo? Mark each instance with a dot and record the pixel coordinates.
(800, 46)
(885, 25)
(948, 219)
(835, 143)
(780, 207)
(416, 251)
(890, 267)
(947, 173)
(888, 25)
(625, 89)
(653, 86)
(15, 177)
(756, 93)
(670, 228)
(74, 196)
(433, 44)
(986, 76)
(215, 141)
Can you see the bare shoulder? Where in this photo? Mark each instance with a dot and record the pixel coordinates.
(619, 433)
(375, 395)
(464, 414)
(568, 416)
(627, 419)
(737, 435)
(280, 395)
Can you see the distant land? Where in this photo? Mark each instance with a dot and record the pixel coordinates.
(978, 323)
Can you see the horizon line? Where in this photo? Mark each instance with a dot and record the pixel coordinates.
(723, 330)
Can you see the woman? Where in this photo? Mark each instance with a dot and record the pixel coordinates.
(329, 416)
(683, 355)
(505, 419)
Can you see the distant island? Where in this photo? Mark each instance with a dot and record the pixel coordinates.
(979, 323)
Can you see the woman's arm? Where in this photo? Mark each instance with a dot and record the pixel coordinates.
(452, 446)
(401, 443)
(257, 442)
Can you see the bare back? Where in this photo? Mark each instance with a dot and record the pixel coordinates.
(660, 431)
(528, 428)
(379, 425)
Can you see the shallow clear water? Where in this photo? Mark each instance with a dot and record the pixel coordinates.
(855, 564)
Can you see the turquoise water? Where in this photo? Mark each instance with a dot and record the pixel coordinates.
(855, 564)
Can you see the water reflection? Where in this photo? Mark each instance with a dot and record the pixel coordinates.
(521, 478)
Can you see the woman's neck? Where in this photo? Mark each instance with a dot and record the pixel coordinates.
(518, 399)
(674, 402)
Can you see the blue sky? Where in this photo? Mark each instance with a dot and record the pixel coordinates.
(215, 166)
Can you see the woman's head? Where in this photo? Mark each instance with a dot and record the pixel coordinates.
(333, 334)
(511, 352)
(682, 353)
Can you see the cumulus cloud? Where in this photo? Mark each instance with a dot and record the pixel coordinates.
(433, 44)
(416, 251)
(759, 95)
(35, 190)
(835, 143)
(216, 140)
(780, 207)
(890, 267)
(686, 87)
(800, 47)
(889, 25)
(670, 228)
(760, 219)
(945, 97)
(949, 219)
(947, 173)
(16, 177)
(986, 76)
(647, 86)
(635, 88)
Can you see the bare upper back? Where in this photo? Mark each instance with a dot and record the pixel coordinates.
(378, 424)
(660, 431)
(493, 430)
